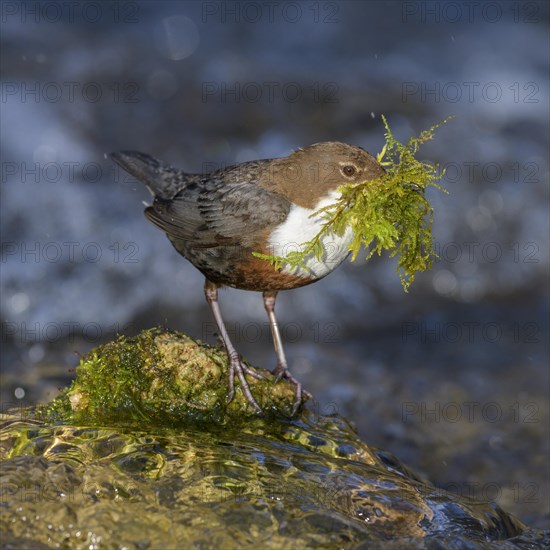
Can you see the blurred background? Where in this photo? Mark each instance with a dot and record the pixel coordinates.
(452, 377)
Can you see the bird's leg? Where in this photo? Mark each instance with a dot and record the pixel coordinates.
(281, 370)
(235, 365)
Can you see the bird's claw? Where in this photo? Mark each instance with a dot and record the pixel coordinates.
(236, 366)
(239, 368)
(280, 372)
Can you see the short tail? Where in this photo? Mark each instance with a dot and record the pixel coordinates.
(161, 179)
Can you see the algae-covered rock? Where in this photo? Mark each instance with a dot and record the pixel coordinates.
(87, 472)
(164, 377)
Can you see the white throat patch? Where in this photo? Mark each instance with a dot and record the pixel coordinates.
(299, 228)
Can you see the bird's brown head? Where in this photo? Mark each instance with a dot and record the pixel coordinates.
(310, 174)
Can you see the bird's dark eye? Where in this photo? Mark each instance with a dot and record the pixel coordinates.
(349, 170)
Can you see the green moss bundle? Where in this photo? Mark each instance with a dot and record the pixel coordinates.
(390, 212)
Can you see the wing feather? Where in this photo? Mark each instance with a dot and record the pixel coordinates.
(221, 215)
(225, 207)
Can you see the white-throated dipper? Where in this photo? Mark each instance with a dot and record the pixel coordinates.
(217, 220)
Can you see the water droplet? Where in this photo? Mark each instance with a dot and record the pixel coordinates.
(178, 37)
(445, 282)
(19, 302)
(36, 353)
(19, 393)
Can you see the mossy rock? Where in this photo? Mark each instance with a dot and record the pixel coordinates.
(164, 378)
(118, 462)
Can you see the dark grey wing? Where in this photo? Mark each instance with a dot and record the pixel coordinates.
(219, 214)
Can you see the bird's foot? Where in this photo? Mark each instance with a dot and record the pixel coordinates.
(236, 366)
(280, 372)
(239, 368)
(252, 372)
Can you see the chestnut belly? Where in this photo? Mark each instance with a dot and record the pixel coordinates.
(235, 266)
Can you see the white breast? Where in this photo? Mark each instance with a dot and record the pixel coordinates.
(299, 228)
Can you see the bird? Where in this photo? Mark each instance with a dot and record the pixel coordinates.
(218, 220)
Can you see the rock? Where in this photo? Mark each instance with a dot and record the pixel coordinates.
(143, 452)
(163, 377)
